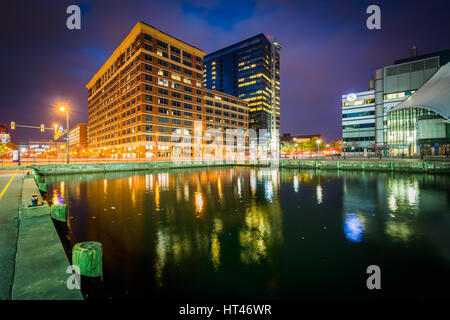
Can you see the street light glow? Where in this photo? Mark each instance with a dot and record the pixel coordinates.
(62, 108)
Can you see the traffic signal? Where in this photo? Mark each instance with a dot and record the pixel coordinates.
(42, 128)
(13, 125)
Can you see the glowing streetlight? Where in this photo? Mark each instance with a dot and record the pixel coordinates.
(318, 145)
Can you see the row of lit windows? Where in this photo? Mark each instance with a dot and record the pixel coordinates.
(358, 102)
(398, 95)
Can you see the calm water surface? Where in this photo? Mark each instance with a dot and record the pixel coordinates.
(263, 233)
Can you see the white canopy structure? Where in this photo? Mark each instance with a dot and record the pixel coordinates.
(433, 95)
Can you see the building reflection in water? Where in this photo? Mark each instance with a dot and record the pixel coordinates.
(403, 204)
(262, 231)
(387, 204)
(219, 188)
(187, 223)
(319, 194)
(198, 203)
(353, 227)
(296, 183)
(185, 213)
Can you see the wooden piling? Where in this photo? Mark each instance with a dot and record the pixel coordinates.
(88, 257)
(59, 212)
(42, 187)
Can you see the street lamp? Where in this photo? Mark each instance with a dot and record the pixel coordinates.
(66, 110)
(318, 145)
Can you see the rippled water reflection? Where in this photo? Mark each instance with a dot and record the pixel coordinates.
(263, 233)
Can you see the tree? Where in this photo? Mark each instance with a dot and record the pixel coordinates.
(336, 145)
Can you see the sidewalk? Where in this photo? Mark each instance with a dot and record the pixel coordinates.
(10, 193)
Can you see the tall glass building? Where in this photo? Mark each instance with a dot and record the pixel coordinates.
(249, 70)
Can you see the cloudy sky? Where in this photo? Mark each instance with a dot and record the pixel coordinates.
(328, 49)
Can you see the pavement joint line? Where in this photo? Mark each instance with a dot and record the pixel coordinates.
(7, 185)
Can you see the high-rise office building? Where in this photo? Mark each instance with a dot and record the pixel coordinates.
(151, 88)
(249, 70)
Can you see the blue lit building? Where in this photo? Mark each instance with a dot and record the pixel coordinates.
(245, 70)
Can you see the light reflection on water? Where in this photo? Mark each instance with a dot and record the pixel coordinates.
(206, 232)
(353, 227)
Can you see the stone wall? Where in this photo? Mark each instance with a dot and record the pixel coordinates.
(397, 166)
(133, 166)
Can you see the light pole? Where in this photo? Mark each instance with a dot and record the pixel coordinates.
(318, 145)
(62, 109)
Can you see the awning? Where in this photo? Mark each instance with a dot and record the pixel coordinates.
(433, 95)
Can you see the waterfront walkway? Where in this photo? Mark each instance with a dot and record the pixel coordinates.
(10, 198)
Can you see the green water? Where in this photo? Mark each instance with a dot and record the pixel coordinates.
(263, 233)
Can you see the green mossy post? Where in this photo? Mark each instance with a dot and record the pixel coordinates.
(59, 212)
(88, 257)
(42, 187)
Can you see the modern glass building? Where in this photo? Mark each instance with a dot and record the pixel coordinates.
(249, 70)
(358, 121)
(393, 85)
(420, 125)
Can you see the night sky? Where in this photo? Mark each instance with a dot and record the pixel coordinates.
(328, 50)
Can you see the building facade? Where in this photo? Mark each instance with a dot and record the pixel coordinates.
(78, 136)
(44, 149)
(420, 125)
(4, 135)
(393, 131)
(149, 92)
(358, 121)
(393, 85)
(249, 70)
(287, 138)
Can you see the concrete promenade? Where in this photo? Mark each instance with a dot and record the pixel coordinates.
(33, 262)
(10, 197)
